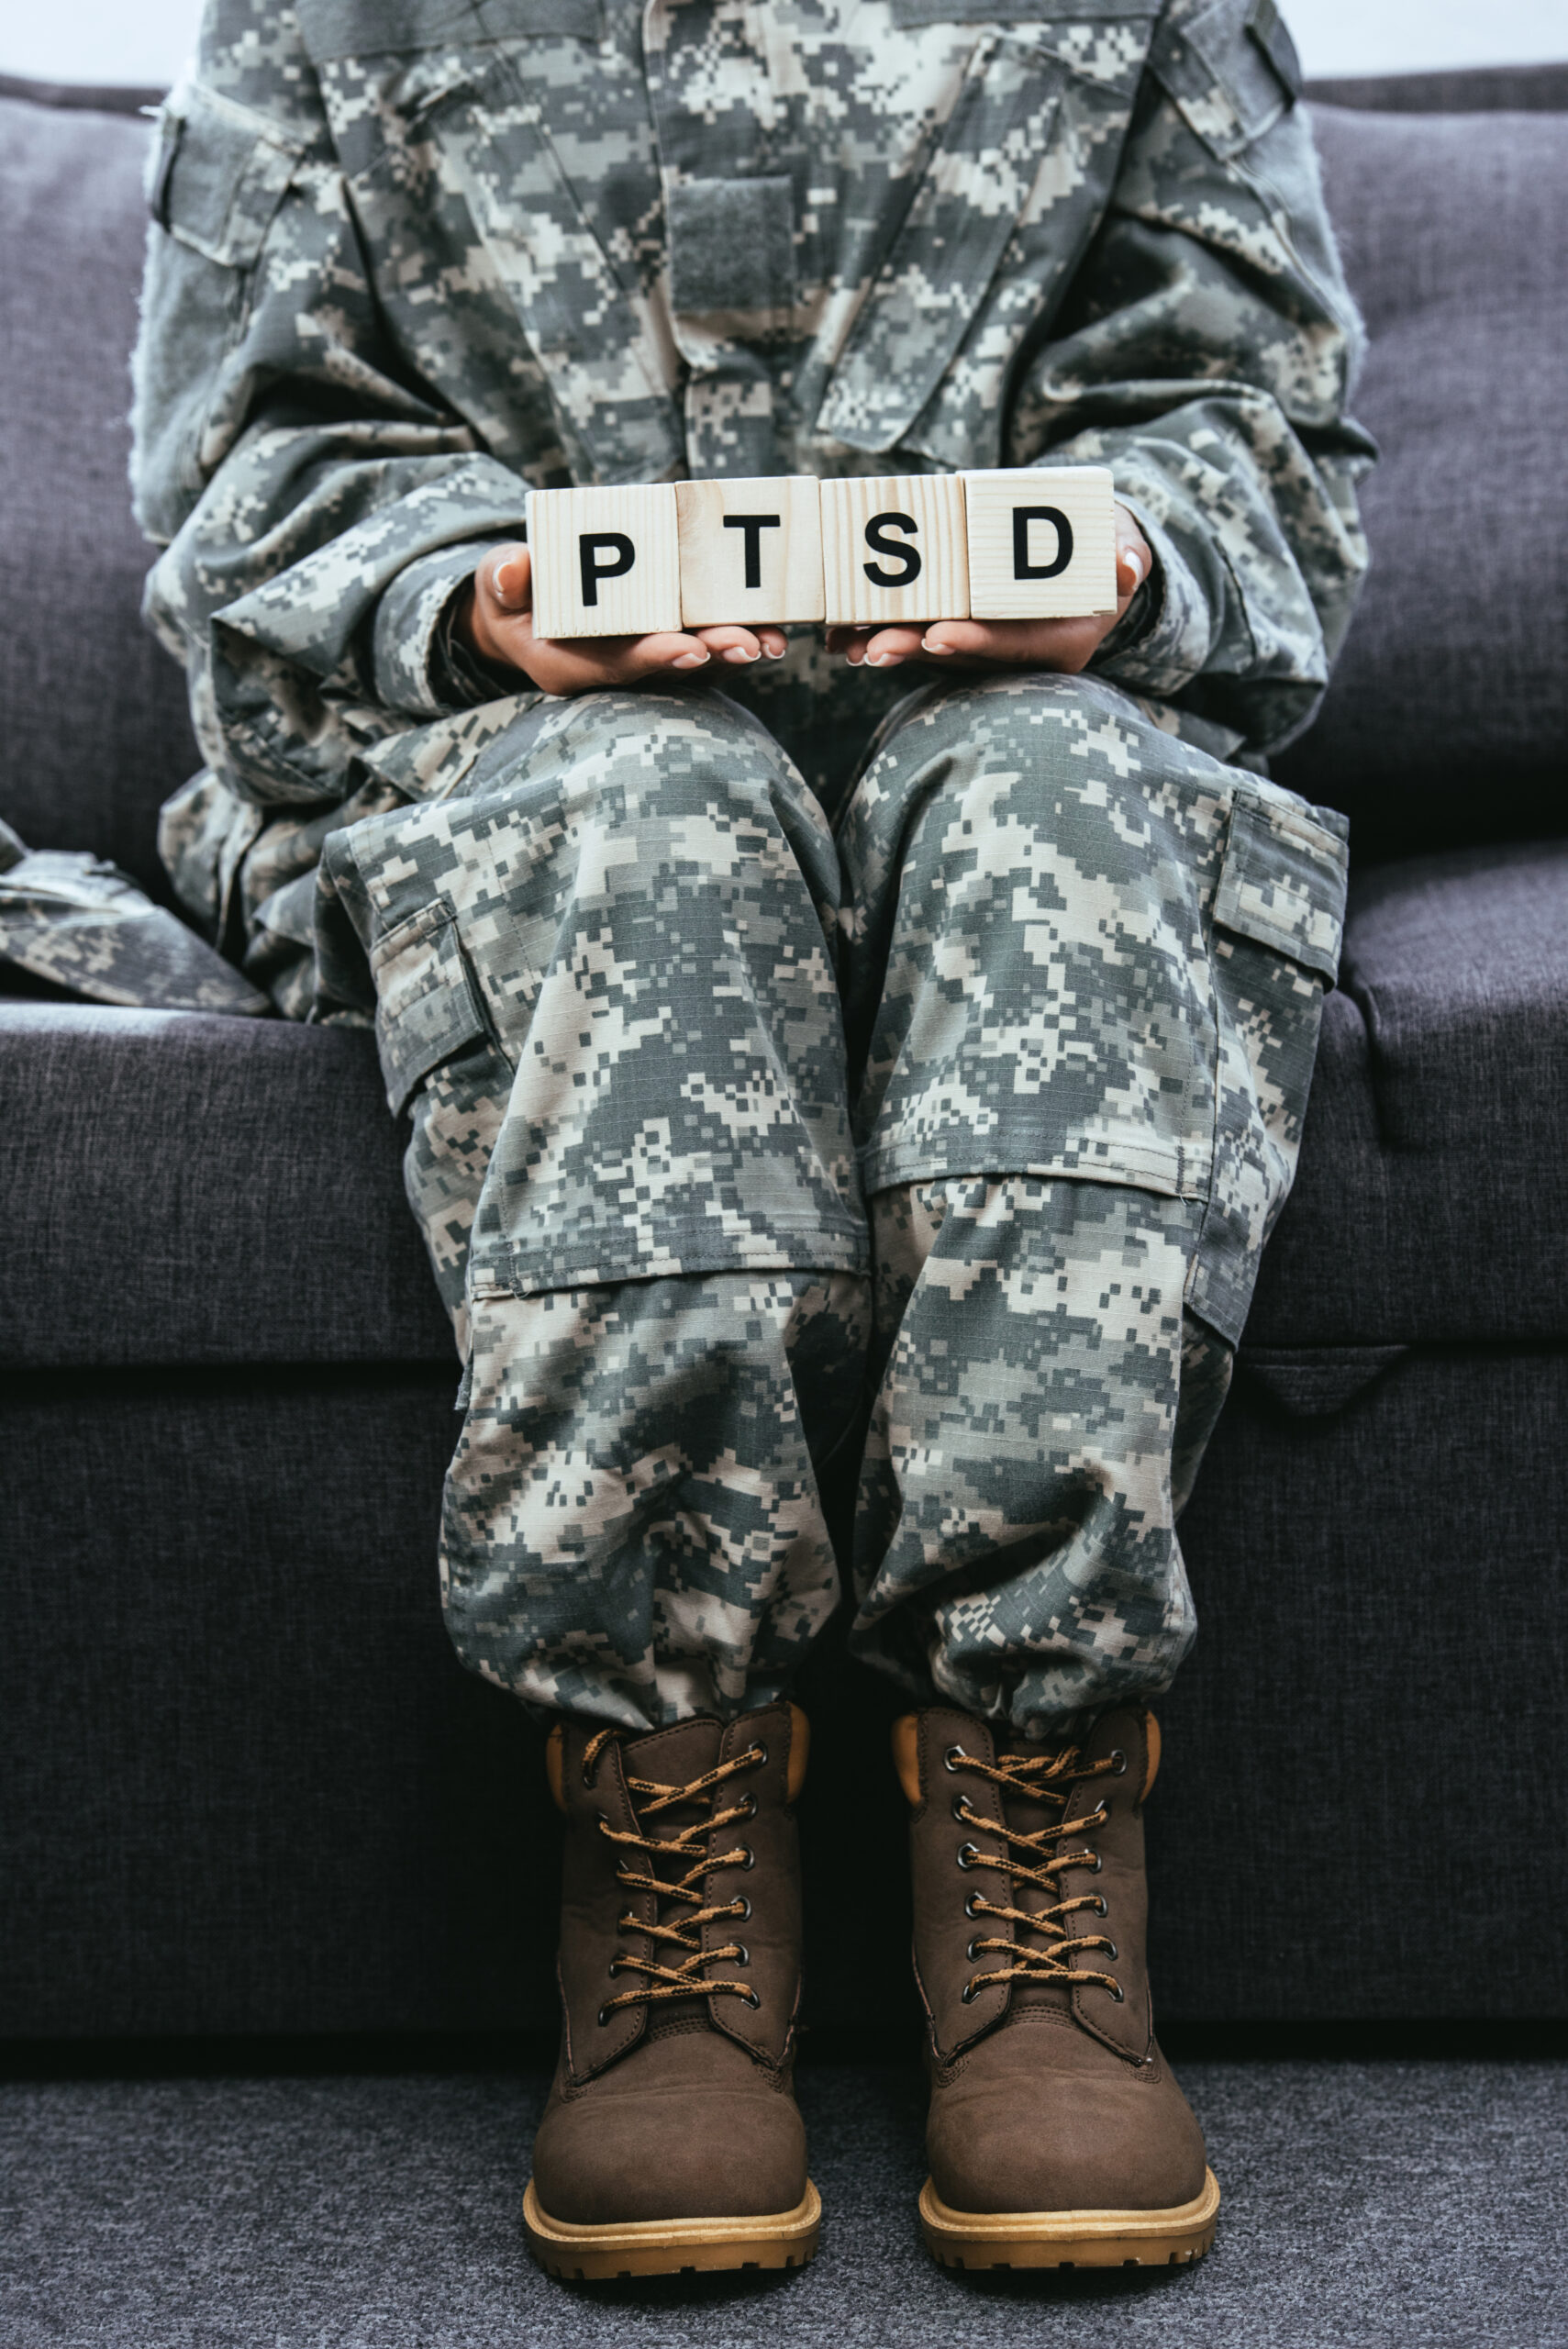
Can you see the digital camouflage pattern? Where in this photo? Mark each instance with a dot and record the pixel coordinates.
(409, 261)
(78, 923)
(1074, 950)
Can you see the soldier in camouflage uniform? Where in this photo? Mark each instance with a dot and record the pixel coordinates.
(812, 1038)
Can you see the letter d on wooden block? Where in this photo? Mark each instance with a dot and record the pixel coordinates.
(1042, 542)
(606, 561)
(750, 551)
(893, 549)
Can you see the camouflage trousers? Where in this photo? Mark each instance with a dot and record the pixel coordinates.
(728, 1138)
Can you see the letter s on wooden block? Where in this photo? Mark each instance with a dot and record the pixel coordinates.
(750, 551)
(1042, 542)
(606, 561)
(893, 549)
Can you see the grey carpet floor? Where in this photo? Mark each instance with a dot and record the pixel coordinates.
(1398, 2203)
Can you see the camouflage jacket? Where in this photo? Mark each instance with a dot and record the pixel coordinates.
(411, 257)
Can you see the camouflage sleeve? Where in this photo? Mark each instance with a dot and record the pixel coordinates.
(316, 508)
(1206, 352)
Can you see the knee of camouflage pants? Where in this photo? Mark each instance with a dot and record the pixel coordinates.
(1084, 976)
(605, 980)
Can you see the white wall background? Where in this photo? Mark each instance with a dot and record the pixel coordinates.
(146, 41)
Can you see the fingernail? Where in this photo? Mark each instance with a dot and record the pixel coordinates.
(926, 646)
(1133, 562)
(882, 659)
(689, 660)
(781, 654)
(738, 652)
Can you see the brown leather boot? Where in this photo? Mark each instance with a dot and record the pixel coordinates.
(672, 2140)
(1057, 2136)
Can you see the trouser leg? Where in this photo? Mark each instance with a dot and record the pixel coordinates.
(604, 981)
(1083, 992)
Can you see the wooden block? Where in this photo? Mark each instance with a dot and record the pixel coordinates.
(1042, 542)
(606, 561)
(894, 548)
(750, 551)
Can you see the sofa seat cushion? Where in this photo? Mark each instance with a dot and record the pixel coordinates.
(187, 1188)
(1432, 1201)
(182, 1187)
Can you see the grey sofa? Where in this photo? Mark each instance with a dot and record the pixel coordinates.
(243, 1786)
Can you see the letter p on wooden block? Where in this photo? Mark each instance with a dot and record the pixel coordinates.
(750, 551)
(1042, 542)
(606, 561)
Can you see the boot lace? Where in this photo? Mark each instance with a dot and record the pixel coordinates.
(1028, 1859)
(682, 1935)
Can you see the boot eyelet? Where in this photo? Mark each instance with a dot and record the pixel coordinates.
(1111, 1954)
(970, 1910)
(1117, 1993)
(967, 1856)
(744, 1958)
(1118, 1763)
(750, 1859)
(604, 2017)
(1093, 1862)
(972, 1951)
(1100, 1904)
(969, 1993)
(740, 1909)
(748, 1806)
(960, 1810)
(953, 1756)
(753, 1999)
(613, 1968)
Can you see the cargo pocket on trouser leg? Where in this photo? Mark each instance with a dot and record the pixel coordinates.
(1278, 921)
(440, 1062)
(632, 1529)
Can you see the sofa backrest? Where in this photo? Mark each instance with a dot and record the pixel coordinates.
(93, 726)
(1447, 718)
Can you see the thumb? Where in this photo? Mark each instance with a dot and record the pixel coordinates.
(510, 579)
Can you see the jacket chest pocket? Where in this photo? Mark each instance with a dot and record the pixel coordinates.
(588, 322)
(1044, 76)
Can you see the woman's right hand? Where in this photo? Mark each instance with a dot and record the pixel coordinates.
(496, 621)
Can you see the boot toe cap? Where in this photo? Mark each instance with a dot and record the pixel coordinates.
(620, 2160)
(1047, 2139)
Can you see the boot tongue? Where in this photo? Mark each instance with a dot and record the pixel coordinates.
(674, 1757)
(1026, 1814)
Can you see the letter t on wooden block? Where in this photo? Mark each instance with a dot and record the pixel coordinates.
(750, 551)
(606, 561)
(893, 549)
(1042, 542)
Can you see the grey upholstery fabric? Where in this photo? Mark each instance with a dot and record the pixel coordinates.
(1448, 714)
(95, 734)
(186, 1187)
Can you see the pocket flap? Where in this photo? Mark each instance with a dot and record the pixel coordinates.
(1283, 879)
(218, 175)
(426, 1011)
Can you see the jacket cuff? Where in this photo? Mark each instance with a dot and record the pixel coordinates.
(418, 666)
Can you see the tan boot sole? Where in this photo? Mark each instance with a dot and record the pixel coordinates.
(1070, 2238)
(672, 2246)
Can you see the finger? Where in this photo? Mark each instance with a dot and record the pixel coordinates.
(587, 664)
(736, 645)
(1037, 644)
